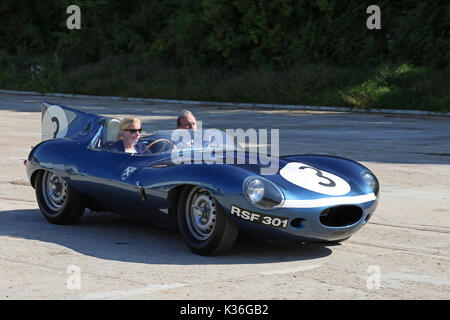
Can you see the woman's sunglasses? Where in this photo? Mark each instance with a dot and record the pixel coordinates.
(134, 130)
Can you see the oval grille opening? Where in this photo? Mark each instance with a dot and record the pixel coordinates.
(340, 216)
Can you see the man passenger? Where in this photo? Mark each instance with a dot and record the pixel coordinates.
(186, 120)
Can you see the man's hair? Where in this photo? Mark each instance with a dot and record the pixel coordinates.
(183, 114)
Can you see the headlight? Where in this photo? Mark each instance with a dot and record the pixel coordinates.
(255, 190)
(371, 181)
(262, 193)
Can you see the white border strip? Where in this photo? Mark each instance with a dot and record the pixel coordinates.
(231, 104)
(332, 201)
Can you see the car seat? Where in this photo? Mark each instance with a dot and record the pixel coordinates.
(111, 132)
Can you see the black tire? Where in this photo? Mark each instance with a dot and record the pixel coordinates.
(58, 201)
(204, 226)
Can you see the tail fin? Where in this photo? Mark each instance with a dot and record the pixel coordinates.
(62, 122)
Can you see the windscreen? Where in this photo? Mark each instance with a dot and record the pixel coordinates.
(192, 140)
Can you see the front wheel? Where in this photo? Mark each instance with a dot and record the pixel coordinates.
(58, 201)
(203, 224)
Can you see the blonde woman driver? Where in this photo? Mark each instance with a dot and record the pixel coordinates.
(130, 132)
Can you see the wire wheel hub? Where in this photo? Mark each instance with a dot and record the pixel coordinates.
(200, 213)
(54, 191)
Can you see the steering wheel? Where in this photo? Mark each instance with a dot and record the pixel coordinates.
(156, 141)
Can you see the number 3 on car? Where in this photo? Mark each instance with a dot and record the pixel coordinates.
(313, 179)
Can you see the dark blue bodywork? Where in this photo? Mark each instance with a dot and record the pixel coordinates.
(152, 190)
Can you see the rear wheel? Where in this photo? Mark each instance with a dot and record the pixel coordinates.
(58, 201)
(203, 224)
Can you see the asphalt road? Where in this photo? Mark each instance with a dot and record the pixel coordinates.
(402, 253)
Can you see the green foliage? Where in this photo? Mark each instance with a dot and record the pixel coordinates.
(232, 33)
(277, 51)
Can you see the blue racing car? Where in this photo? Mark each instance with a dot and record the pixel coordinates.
(209, 187)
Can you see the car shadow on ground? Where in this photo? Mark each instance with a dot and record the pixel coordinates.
(111, 236)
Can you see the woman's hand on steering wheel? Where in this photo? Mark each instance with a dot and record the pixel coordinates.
(157, 141)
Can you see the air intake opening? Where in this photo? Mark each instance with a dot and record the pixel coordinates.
(340, 216)
(298, 223)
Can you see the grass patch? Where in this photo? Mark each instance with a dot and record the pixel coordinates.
(388, 86)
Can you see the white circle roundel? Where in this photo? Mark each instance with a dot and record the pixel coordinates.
(308, 177)
(54, 123)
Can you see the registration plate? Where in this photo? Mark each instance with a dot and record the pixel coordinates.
(261, 218)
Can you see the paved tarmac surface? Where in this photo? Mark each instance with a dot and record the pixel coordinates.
(402, 253)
